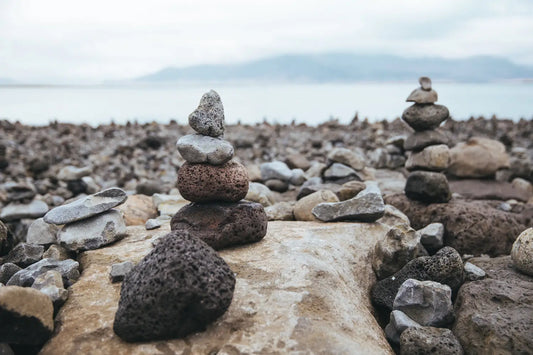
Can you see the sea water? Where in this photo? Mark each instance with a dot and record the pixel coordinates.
(252, 103)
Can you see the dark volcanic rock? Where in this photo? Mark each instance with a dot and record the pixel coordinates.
(26, 316)
(180, 287)
(427, 186)
(4, 241)
(429, 340)
(209, 183)
(422, 117)
(445, 267)
(25, 254)
(7, 270)
(222, 225)
(471, 227)
(494, 315)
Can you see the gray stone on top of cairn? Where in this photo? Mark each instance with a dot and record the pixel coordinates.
(208, 118)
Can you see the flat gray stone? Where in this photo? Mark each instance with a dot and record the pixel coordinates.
(119, 270)
(347, 157)
(153, 223)
(93, 232)
(197, 148)
(366, 206)
(338, 171)
(473, 272)
(26, 277)
(419, 140)
(275, 170)
(208, 118)
(41, 232)
(15, 211)
(25, 254)
(86, 207)
(421, 96)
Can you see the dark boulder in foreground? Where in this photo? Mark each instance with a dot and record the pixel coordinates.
(180, 287)
(221, 224)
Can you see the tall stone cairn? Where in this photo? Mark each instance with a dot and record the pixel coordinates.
(428, 152)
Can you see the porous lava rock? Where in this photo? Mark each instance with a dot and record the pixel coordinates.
(209, 183)
(471, 227)
(221, 225)
(422, 117)
(180, 287)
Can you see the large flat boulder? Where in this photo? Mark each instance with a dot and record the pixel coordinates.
(304, 289)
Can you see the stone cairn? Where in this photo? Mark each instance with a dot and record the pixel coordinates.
(428, 154)
(182, 285)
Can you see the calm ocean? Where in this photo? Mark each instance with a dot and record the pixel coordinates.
(277, 103)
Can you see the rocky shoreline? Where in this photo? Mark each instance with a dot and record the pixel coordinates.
(443, 242)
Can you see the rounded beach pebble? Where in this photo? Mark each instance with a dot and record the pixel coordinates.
(522, 252)
(210, 183)
(180, 287)
(196, 148)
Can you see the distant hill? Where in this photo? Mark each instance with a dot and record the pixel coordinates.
(343, 67)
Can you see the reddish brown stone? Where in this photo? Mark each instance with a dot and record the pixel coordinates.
(213, 183)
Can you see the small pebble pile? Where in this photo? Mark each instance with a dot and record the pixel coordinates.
(429, 155)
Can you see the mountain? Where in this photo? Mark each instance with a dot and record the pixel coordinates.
(345, 67)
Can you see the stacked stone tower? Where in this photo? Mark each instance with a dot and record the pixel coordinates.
(428, 154)
(215, 183)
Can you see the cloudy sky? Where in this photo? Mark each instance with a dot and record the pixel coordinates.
(66, 41)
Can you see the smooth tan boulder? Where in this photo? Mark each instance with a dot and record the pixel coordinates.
(477, 157)
(303, 289)
(304, 207)
(137, 210)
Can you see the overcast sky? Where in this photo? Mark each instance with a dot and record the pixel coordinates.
(90, 41)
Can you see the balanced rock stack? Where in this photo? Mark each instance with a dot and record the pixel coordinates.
(215, 183)
(428, 153)
(90, 222)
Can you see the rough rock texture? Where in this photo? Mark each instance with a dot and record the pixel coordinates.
(51, 284)
(207, 183)
(350, 189)
(281, 211)
(493, 316)
(425, 302)
(417, 141)
(477, 157)
(433, 158)
(25, 254)
(26, 277)
(471, 227)
(178, 288)
(93, 232)
(398, 322)
(26, 316)
(208, 118)
(4, 242)
(304, 207)
(7, 270)
(432, 236)
(137, 210)
(347, 157)
(41, 232)
(196, 148)
(119, 270)
(86, 207)
(427, 187)
(445, 267)
(422, 117)
(429, 340)
(366, 206)
(391, 253)
(222, 225)
(522, 252)
(316, 303)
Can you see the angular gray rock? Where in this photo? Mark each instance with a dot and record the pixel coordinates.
(432, 236)
(25, 254)
(421, 96)
(275, 170)
(366, 206)
(425, 302)
(422, 117)
(445, 267)
(120, 270)
(41, 232)
(26, 277)
(26, 316)
(153, 223)
(15, 211)
(86, 207)
(340, 173)
(51, 284)
(197, 148)
(208, 118)
(429, 340)
(391, 253)
(180, 287)
(56, 252)
(303, 209)
(93, 232)
(427, 186)
(398, 322)
(473, 272)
